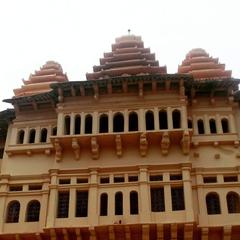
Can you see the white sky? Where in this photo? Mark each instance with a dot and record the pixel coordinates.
(76, 33)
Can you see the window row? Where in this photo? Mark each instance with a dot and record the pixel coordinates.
(214, 207)
(22, 137)
(118, 122)
(201, 126)
(32, 213)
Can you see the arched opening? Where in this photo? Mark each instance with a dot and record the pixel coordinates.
(13, 210)
(103, 123)
(118, 203)
(233, 202)
(67, 125)
(20, 138)
(213, 203)
(189, 121)
(33, 211)
(88, 124)
(104, 204)
(132, 122)
(133, 202)
(149, 120)
(163, 124)
(176, 118)
(212, 124)
(77, 123)
(32, 135)
(225, 126)
(54, 131)
(43, 135)
(118, 122)
(200, 126)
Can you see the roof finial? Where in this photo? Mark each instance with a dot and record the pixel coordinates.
(129, 31)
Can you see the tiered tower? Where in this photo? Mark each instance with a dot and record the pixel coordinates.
(128, 57)
(201, 66)
(51, 72)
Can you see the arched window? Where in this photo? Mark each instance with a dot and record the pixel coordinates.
(213, 203)
(43, 135)
(20, 137)
(133, 202)
(149, 120)
(32, 135)
(118, 122)
(77, 124)
(133, 122)
(176, 117)
(88, 124)
(200, 126)
(212, 124)
(233, 202)
(189, 121)
(104, 204)
(67, 125)
(54, 131)
(13, 210)
(225, 126)
(118, 203)
(33, 211)
(163, 124)
(103, 123)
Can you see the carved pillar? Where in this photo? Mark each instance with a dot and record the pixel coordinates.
(167, 193)
(187, 187)
(3, 207)
(95, 123)
(206, 124)
(125, 114)
(53, 198)
(93, 199)
(232, 124)
(184, 124)
(60, 124)
(72, 203)
(110, 121)
(156, 118)
(72, 123)
(82, 123)
(169, 118)
(26, 135)
(195, 126)
(144, 200)
(141, 120)
(218, 124)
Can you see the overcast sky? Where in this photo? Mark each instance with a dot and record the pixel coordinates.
(76, 33)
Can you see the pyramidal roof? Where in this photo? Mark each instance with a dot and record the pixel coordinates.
(201, 66)
(40, 81)
(128, 57)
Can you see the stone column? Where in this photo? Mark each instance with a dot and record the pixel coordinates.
(232, 124)
(218, 124)
(93, 199)
(125, 115)
(167, 193)
(183, 112)
(95, 123)
(72, 203)
(187, 188)
(72, 124)
(53, 199)
(144, 201)
(26, 135)
(169, 118)
(60, 124)
(156, 118)
(206, 124)
(37, 137)
(195, 126)
(82, 123)
(110, 121)
(49, 133)
(3, 207)
(141, 120)
(44, 202)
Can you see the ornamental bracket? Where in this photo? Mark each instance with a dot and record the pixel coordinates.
(76, 148)
(143, 147)
(58, 150)
(165, 143)
(94, 148)
(118, 141)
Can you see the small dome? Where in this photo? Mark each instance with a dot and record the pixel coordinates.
(201, 66)
(39, 82)
(129, 57)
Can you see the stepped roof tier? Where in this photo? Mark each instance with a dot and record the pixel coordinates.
(51, 72)
(128, 57)
(201, 66)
